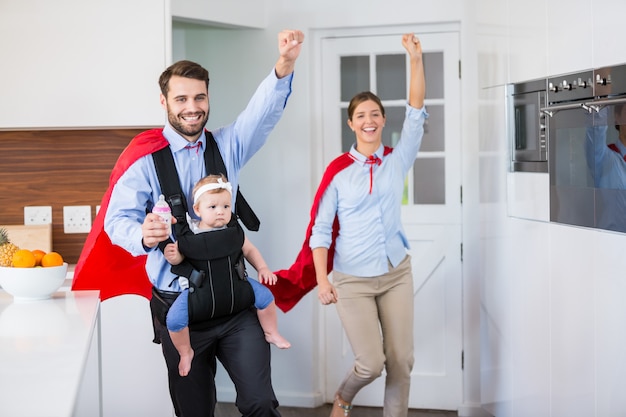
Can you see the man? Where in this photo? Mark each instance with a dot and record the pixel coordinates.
(236, 340)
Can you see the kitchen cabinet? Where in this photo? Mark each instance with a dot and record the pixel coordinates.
(569, 42)
(82, 64)
(527, 39)
(606, 32)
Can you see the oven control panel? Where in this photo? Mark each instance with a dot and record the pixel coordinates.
(571, 87)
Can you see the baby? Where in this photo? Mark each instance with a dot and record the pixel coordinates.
(212, 197)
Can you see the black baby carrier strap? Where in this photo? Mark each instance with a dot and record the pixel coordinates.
(214, 164)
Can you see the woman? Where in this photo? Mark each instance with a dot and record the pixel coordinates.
(372, 281)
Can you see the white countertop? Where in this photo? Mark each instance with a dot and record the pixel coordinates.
(44, 346)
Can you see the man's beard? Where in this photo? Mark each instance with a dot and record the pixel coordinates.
(184, 130)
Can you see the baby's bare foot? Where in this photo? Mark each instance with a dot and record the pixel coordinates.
(277, 340)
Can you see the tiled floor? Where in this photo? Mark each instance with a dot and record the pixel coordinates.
(229, 410)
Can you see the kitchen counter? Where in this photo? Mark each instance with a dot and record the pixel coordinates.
(50, 356)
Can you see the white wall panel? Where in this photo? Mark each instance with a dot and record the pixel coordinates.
(530, 319)
(610, 287)
(528, 195)
(572, 322)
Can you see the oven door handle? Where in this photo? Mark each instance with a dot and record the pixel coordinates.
(597, 105)
(589, 106)
(551, 110)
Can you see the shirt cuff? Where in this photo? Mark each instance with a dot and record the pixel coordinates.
(413, 112)
(282, 85)
(147, 249)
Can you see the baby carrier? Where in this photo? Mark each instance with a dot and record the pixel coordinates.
(214, 262)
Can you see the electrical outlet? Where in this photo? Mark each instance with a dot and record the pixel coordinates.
(37, 215)
(76, 219)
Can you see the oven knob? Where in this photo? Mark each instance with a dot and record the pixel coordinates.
(582, 83)
(553, 87)
(603, 81)
(567, 86)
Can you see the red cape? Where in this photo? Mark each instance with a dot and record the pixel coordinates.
(102, 265)
(295, 282)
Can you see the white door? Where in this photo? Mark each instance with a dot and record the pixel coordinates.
(431, 210)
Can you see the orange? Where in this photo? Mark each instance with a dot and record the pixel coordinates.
(51, 259)
(24, 258)
(38, 255)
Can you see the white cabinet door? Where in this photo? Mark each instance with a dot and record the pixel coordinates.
(85, 64)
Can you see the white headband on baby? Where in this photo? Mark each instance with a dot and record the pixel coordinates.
(213, 186)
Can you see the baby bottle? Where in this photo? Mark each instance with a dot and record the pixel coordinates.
(163, 209)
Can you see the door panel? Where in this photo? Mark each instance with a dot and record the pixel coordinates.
(431, 211)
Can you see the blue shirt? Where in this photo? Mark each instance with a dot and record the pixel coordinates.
(608, 167)
(138, 188)
(370, 228)
(608, 170)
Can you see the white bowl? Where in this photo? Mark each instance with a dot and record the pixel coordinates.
(37, 283)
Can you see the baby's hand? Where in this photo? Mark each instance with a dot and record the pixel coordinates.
(172, 255)
(266, 276)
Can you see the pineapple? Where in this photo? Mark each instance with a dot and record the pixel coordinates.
(7, 249)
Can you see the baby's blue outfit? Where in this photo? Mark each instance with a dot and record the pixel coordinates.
(178, 315)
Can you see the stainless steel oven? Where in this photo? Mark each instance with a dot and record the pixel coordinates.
(527, 126)
(586, 120)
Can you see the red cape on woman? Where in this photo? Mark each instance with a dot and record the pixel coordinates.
(295, 282)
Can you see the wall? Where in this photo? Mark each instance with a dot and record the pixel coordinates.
(57, 168)
(551, 315)
(274, 182)
(242, 13)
